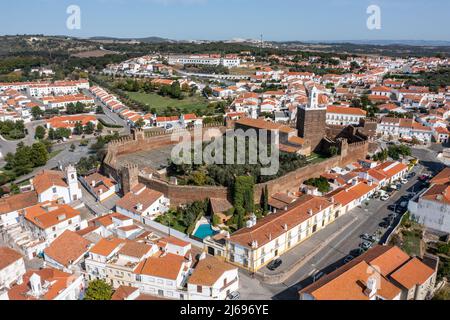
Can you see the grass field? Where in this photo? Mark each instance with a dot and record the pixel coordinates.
(187, 105)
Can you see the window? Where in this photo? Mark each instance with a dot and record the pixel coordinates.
(54, 190)
(199, 289)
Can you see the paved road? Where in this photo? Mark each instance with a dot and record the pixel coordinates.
(362, 220)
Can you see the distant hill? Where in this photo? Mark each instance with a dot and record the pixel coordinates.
(419, 43)
(144, 40)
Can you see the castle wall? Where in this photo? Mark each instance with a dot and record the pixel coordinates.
(186, 194)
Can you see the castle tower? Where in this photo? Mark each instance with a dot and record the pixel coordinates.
(311, 120)
(72, 183)
(129, 175)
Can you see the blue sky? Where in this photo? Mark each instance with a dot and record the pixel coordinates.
(226, 19)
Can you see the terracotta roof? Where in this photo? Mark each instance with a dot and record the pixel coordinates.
(48, 214)
(272, 226)
(208, 271)
(67, 248)
(8, 256)
(167, 266)
(123, 292)
(58, 281)
(263, 125)
(442, 177)
(346, 110)
(413, 273)
(353, 193)
(220, 205)
(48, 179)
(139, 195)
(349, 281)
(106, 246)
(439, 193)
(135, 249)
(17, 202)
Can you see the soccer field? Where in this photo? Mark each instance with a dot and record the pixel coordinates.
(187, 105)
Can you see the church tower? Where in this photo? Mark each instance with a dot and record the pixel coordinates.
(311, 120)
(72, 183)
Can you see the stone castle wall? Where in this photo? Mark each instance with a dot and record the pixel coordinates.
(186, 194)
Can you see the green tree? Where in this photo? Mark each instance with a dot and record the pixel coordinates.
(140, 123)
(89, 128)
(100, 127)
(40, 133)
(98, 290)
(39, 155)
(78, 130)
(265, 200)
(36, 112)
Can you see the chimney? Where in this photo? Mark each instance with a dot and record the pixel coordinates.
(139, 207)
(371, 287)
(202, 256)
(310, 212)
(36, 286)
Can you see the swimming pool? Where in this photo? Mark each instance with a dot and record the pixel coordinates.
(204, 230)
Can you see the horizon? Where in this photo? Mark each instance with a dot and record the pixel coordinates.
(287, 20)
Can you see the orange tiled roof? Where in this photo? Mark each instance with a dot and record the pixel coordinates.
(67, 248)
(208, 271)
(8, 256)
(17, 202)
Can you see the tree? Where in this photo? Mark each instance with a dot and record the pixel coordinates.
(321, 184)
(36, 112)
(99, 110)
(265, 200)
(98, 290)
(100, 127)
(72, 147)
(78, 130)
(39, 155)
(140, 123)
(40, 133)
(207, 91)
(89, 128)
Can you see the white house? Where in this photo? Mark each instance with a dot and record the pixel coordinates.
(48, 284)
(53, 185)
(12, 267)
(432, 207)
(48, 220)
(212, 279)
(99, 186)
(344, 116)
(10, 207)
(142, 202)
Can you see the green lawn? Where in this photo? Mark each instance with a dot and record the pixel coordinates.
(187, 105)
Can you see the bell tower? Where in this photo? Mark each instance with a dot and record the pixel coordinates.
(311, 120)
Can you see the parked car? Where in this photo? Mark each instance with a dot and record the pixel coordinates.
(384, 224)
(365, 237)
(404, 204)
(348, 259)
(385, 197)
(275, 264)
(318, 275)
(404, 181)
(234, 296)
(366, 245)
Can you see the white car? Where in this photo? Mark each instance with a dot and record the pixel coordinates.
(404, 181)
(385, 197)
